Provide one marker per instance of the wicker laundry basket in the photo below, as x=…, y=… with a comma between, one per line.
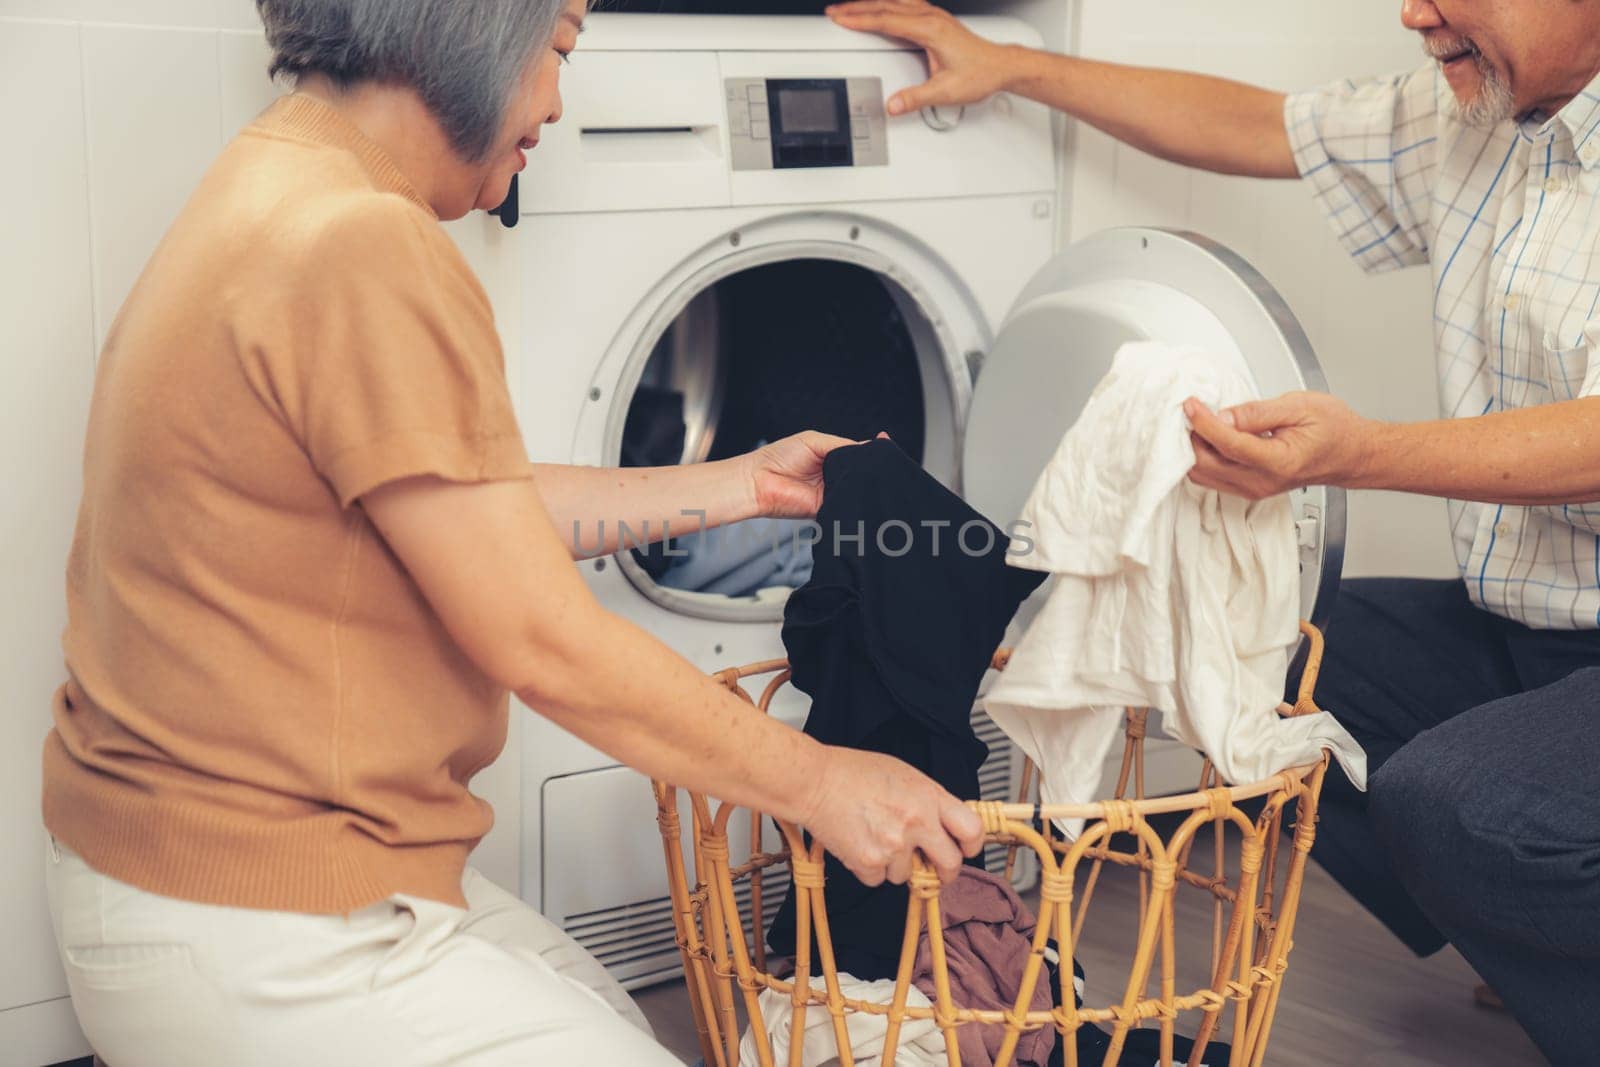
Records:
x=1252, y=884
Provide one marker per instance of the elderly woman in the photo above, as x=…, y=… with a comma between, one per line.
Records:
x=312, y=559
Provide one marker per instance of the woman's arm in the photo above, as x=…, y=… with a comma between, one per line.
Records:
x=491, y=564
x=592, y=507
x=1193, y=119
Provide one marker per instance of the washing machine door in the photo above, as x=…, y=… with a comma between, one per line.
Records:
x=1133, y=284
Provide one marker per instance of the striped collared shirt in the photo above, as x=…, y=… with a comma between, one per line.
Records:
x=1509, y=220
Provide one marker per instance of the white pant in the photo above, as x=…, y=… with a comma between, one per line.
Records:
x=158, y=982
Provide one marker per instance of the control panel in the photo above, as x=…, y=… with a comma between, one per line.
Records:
x=782, y=123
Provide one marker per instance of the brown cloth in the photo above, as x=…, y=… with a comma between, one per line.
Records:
x=988, y=932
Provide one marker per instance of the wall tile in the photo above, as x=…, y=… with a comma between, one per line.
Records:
x=1372, y=335
x=245, y=88
x=46, y=370
x=154, y=126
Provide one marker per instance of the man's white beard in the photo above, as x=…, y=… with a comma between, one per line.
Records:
x=1491, y=105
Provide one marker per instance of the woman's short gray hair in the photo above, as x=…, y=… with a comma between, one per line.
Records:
x=465, y=58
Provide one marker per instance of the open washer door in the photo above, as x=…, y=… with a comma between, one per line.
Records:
x=1134, y=284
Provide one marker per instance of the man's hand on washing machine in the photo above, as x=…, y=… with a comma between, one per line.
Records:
x=874, y=813
x=963, y=68
x=1266, y=447
x=786, y=476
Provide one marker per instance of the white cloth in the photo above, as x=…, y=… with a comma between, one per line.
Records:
x=158, y=982
x=1508, y=221
x=1166, y=595
x=921, y=1043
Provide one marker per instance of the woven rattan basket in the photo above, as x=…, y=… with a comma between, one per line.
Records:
x=1253, y=885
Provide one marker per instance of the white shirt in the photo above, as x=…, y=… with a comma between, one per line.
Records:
x=921, y=1042
x=1509, y=220
x=1165, y=596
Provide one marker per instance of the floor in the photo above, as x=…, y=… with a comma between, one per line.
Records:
x=1354, y=996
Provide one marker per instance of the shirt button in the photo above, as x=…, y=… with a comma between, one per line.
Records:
x=1554, y=185
x=1502, y=529
x=1590, y=153
x=1510, y=301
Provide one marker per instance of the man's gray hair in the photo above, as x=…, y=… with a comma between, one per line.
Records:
x=465, y=58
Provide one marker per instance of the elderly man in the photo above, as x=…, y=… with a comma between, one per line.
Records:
x=1477, y=700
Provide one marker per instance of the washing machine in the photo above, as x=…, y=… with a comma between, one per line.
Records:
x=726, y=240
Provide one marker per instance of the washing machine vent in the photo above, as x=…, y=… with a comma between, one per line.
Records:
x=994, y=779
x=636, y=941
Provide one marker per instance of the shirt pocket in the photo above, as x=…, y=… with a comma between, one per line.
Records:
x=1566, y=366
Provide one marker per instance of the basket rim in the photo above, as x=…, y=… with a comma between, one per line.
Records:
x=1289, y=780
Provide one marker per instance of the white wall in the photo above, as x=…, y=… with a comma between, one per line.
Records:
x=1373, y=335
x=110, y=124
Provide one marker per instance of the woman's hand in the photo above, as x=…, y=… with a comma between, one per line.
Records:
x=874, y=813
x=786, y=476
x=1267, y=447
x=963, y=68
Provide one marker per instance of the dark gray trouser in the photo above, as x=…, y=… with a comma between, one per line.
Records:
x=1482, y=824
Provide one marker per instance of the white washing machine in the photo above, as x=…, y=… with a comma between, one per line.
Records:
x=725, y=240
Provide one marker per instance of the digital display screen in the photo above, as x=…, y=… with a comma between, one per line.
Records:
x=808, y=110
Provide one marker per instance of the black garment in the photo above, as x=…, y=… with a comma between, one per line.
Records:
x=890, y=639
x=813, y=344
x=654, y=432
x=1483, y=749
x=653, y=436
x=1141, y=1048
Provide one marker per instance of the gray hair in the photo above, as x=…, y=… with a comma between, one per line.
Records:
x=465, y=58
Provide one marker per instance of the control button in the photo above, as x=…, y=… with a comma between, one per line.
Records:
x=756, y=94
x=739, y=122
x=941, y=120
x=761, y=130
x=859, y=108
x=860, y=129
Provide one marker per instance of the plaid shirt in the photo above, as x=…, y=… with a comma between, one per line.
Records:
x=1509, y=220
